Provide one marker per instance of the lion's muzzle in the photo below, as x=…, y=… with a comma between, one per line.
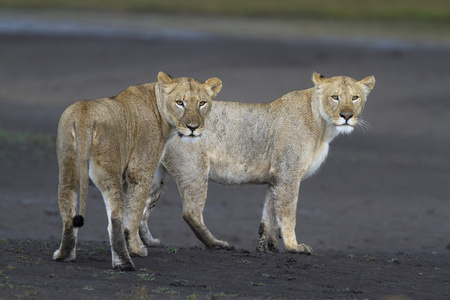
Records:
x=190, y=131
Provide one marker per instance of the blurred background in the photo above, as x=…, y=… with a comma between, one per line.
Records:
x=383, y=188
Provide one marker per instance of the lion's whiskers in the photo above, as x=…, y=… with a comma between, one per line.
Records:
x=363, y=124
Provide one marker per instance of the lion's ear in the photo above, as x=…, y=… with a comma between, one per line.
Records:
x=369, y=82
x=317, y=78
x=166, y=82
x=163, y=78
x=213, y=86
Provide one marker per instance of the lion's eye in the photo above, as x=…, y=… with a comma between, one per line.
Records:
x=202, y=103
x=179, y=103
x=355, y=98
x=335, y=97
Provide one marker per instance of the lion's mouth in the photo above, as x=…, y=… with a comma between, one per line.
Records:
x=341, y=122
x=187, y=136
x=191, y=135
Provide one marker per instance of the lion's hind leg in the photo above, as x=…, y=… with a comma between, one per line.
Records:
x=267, y=240
x=111, y=188
x=67, y=201
x=135, y=196
x=160, y=183
x=137, y=187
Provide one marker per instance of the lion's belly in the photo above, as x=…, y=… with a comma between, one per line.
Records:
x=237, y=173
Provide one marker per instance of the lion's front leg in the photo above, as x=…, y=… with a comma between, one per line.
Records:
x=193, y=195
x=285, y=200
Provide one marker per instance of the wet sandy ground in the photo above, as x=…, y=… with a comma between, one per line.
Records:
x=377, y=213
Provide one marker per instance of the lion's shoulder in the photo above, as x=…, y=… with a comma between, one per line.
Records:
x=137, y=92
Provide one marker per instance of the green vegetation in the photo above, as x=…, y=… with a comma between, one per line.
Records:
x=394, y=260
x=369, y=258
x=111, y=272
x=17, y=137
x=164, y=290
x=171, y=250
x=146, y=277
x=179, y=282
x=15, y=145
x=221, y=294
x=256, y=283
x=88, y=288
x=423, y=10
x=243, y=261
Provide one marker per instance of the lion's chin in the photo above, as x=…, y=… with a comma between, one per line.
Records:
x=189, y=138
x=344, y=129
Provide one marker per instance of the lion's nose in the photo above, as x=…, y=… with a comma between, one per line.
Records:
x=346, y=115
x=192, y=128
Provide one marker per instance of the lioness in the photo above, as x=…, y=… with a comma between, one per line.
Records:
x=117, y=142
x=278, y=144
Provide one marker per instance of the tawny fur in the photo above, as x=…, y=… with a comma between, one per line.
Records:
x=117, y=143
x=278, y=144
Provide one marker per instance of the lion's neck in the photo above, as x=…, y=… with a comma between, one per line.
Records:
x=325, y=131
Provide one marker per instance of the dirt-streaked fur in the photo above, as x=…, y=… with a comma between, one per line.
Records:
x=278, y=144
x=117, y=143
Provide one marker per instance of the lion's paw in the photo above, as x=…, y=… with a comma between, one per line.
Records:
x=302, y=248
x=218, y=245
x=264, y=246
x=142, y=252
x=153, y=242
x=149, y=240
x=125, y=266
x=64, y=255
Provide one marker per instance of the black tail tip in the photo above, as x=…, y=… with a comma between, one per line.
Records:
x=78, y=221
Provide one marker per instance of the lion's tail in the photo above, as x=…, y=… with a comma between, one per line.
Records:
x=84, y=136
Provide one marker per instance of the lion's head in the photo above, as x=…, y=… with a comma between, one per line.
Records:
x=342, y=99
x=186, y=102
